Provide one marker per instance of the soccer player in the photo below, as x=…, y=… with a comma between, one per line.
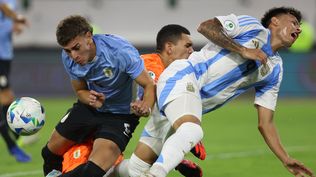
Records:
x=102, y=69
x=10, y=22
x=172, y=42
x=242, y=54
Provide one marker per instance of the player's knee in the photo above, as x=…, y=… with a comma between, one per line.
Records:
x=137, y=166
x=192, y=132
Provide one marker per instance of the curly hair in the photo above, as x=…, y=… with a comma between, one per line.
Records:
x=266, y=19
x=71, y=27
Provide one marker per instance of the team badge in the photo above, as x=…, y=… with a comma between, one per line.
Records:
x=264, y=69
x=77, y=154
x=255, y=43
x=107, y=72
x=190, y=87
x=229, y=25
x=152, y=75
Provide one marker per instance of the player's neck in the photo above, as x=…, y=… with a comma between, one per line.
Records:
x=93, y=52
x=165, y=59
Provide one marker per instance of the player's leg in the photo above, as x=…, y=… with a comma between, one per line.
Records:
x=73, y=128
x=112, y=137
x=144, y=156
x=185, y=114
x=6, y=98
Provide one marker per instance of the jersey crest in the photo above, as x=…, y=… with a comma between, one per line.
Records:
x=108, y=72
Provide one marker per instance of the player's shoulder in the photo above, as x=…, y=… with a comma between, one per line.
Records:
x=150, y=58
x=111, y=39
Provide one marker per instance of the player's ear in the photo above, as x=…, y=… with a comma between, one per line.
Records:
x=275, y=21
x=88, y=34
x=168, y=47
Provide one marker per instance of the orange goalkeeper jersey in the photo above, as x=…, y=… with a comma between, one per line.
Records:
x=154, y=65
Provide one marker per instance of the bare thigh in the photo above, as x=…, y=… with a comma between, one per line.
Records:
x=104, y=153
x=59, y=144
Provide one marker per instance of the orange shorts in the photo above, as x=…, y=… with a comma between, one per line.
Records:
x=79, y=154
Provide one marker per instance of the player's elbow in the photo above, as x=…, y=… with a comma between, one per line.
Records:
x=210, y=27
x=204, y=25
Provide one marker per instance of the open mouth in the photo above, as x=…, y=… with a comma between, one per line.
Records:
x=294, y=35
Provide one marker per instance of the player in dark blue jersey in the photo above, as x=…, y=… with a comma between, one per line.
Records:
x=102, y=69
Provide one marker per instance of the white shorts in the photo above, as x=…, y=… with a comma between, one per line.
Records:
x=178, y=84
x=156, y=131
x=186, y=104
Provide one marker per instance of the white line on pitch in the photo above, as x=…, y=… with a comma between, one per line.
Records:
x=24, y=173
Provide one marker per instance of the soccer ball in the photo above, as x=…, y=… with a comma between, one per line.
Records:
x=26, y=116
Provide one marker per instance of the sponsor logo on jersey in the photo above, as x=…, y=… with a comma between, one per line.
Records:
x=108, y=72
x=229, y=25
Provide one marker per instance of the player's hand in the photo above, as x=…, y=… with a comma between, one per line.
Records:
x=254, y=54
x=21, y=19
x=96, y=99
x=297, y=168
x=140, y=108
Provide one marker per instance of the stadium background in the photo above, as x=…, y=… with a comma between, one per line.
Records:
x=233, y=143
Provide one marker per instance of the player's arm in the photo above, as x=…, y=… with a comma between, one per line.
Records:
x=144, y=107
x=269, y=132
x=89, y=97
x=213, y=30
x=11, y=14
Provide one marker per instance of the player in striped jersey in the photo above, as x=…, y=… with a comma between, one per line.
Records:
x=172, y=42
x=242, y=54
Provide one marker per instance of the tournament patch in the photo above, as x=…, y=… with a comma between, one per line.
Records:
x=152, y=75
x=229, y=25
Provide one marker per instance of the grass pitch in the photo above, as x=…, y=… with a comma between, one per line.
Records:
x=234, y=145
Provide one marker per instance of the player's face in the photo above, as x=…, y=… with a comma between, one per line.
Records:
x=288, y=29
x=81, y=49
x=183, y=48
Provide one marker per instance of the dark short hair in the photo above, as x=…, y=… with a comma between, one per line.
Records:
x=71, y=27
x=266, y=19
x=169, y=33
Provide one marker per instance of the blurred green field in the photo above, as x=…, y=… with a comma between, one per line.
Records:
x=234, y=145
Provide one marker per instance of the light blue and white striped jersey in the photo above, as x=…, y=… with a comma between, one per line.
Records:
x=220, y=75
x=112, y=71
x=6, y=25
